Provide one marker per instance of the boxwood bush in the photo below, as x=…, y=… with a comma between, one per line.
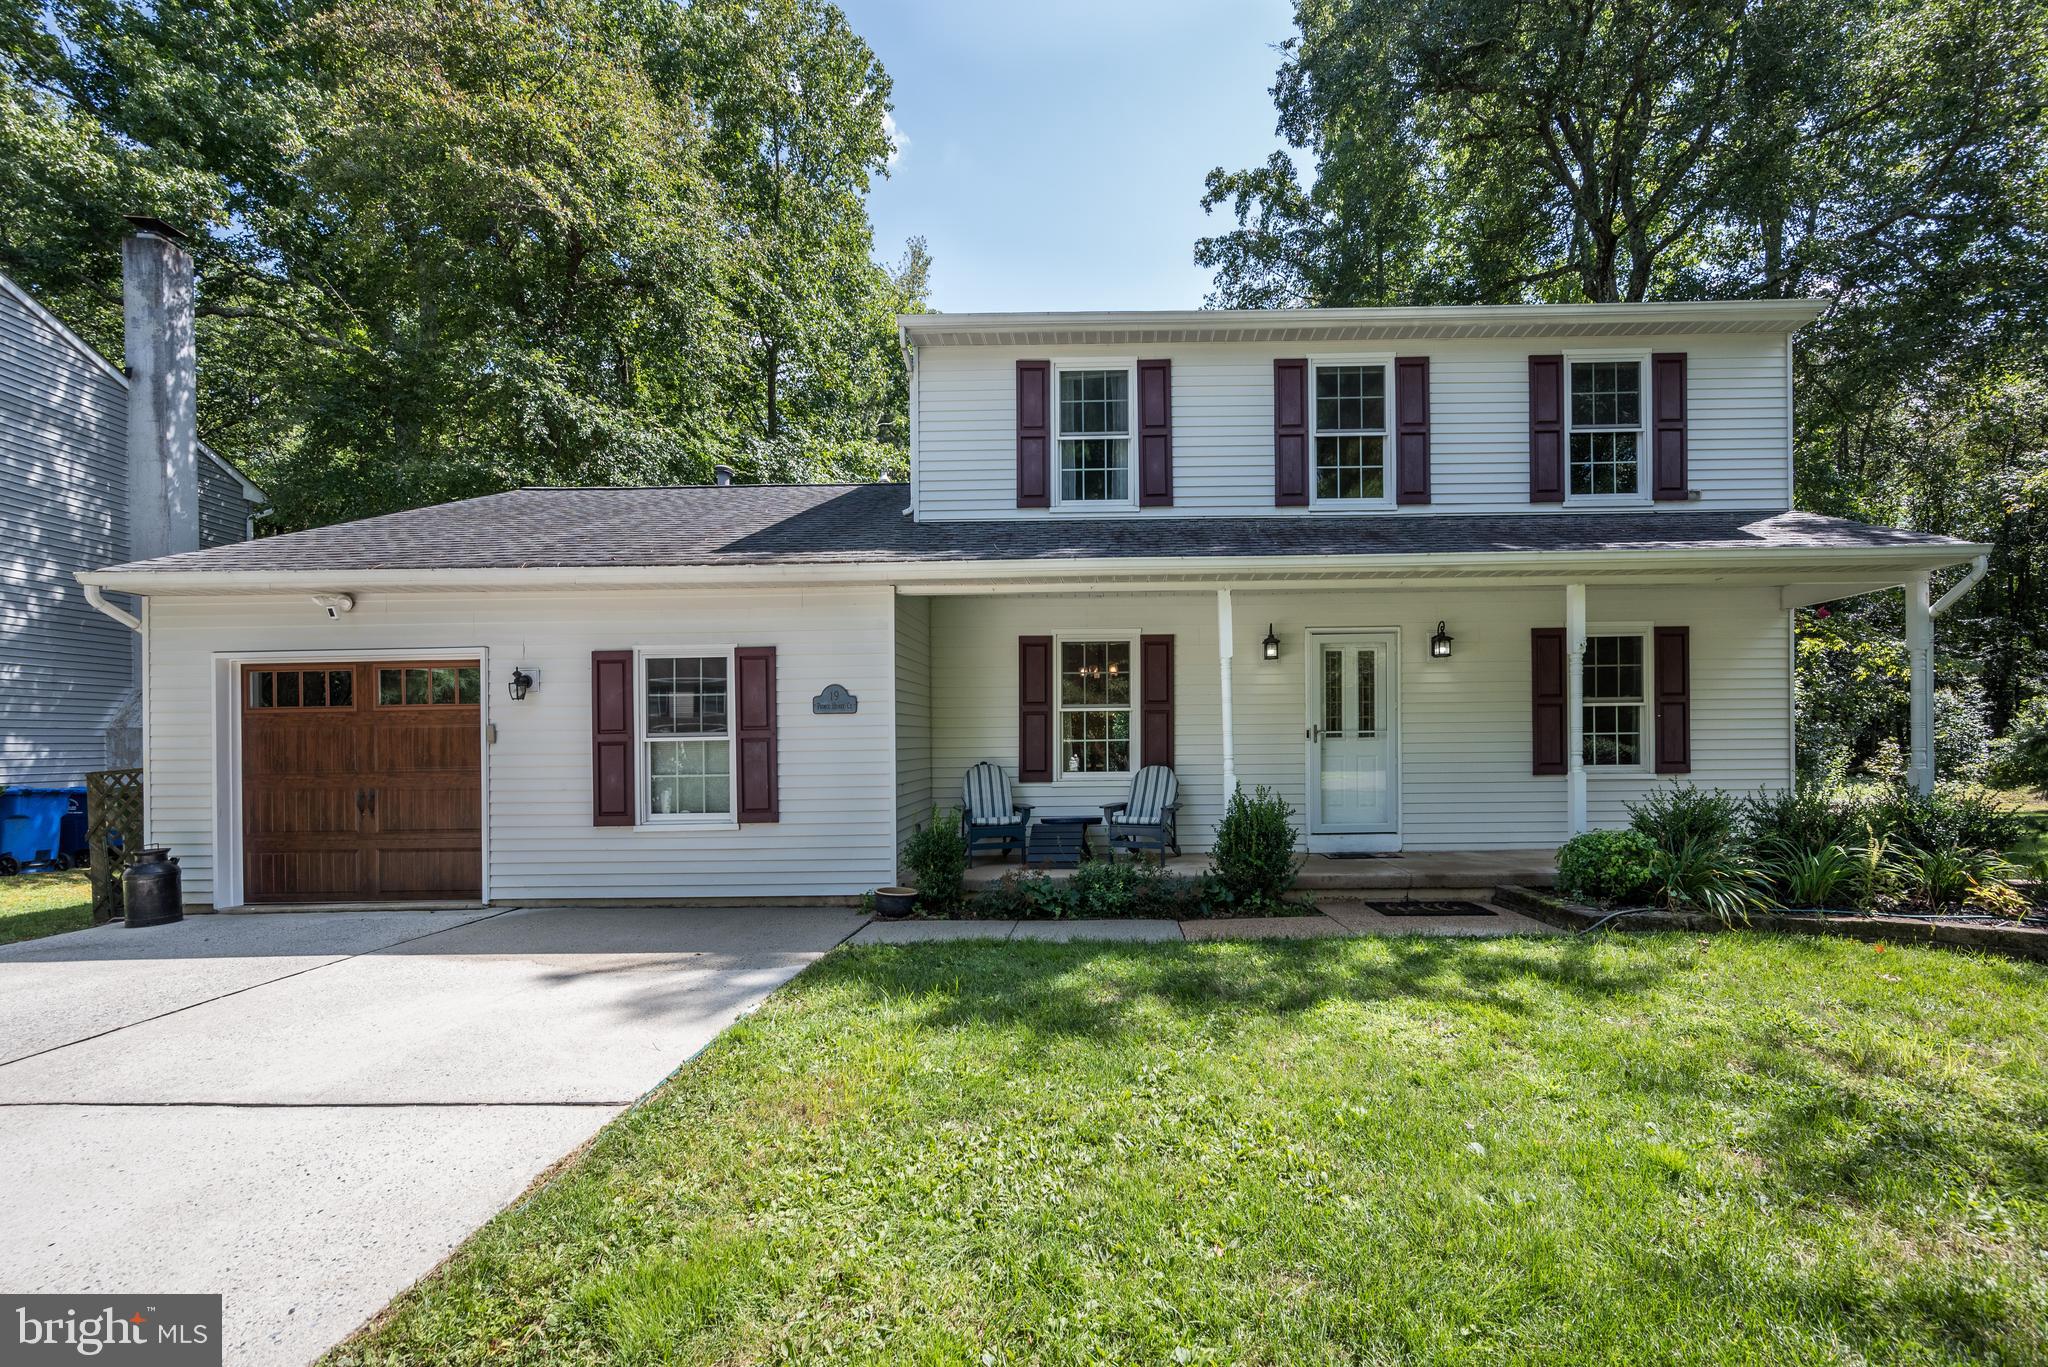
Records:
x=1606, y=866
x=1253, y=862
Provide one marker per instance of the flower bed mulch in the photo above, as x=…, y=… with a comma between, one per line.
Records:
x=2025, y=939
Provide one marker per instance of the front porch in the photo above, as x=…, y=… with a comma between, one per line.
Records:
x=1372, y=878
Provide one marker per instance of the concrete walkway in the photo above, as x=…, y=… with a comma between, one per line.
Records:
x=305, y=1113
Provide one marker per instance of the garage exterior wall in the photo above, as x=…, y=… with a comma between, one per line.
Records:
x=839, y=802
x=1739, y=409
x=1464, y=722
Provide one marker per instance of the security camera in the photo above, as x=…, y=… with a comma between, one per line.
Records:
x=335, y=603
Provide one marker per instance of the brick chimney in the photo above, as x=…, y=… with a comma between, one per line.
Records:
x=163, y=424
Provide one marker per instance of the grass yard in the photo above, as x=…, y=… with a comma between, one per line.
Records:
x=1636, y=1149
x=37, y=904
x=2032, y=846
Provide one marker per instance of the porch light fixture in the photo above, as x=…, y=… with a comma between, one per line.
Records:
x=518, y=684
x=1271, y=643
x=1440, y=644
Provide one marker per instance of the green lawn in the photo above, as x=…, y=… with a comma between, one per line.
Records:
x=37, y=904
x=1635, y=1149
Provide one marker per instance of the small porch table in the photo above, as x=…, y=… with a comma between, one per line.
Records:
x=1059, y=842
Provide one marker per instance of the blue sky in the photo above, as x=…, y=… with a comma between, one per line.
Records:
x=1053, y=153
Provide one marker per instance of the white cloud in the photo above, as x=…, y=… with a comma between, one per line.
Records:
x=899, y=141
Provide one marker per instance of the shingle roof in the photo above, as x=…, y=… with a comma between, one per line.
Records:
x=866, y=524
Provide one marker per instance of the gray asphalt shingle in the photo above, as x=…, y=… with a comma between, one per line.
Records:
x=855, y=524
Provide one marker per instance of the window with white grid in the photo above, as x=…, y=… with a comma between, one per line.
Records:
x=1095, y=707
x=687, y=736
x=1606, y=412
x=1094, y=433
x=1613, y=702
x=1350, y=417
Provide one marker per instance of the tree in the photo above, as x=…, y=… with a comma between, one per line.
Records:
x=1888, y=156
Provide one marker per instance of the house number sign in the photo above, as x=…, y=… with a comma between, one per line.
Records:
x=834, y=700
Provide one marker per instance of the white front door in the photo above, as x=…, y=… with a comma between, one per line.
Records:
x=1353, y=733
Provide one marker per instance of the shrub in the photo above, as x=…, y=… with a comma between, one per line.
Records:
x=2019, y=758
x=1803, y=819
x=1702, y=874
x=1253, y=860
x=1605, y=866
x=936, y=855
x=1682, y=814
x=1827, y=876
x=1956, y=816
x=1116, y=887
x=1945, y=878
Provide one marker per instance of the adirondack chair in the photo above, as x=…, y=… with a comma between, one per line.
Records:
x=1146, y=821
x=988, y=818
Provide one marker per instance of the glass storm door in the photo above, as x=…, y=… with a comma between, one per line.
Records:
x=1352, y=734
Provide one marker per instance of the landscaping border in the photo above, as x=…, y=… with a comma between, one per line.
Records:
x=2026, y=942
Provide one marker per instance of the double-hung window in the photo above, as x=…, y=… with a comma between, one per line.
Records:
x=1606, y=442
x=1613, y=701
x=686, y=735
x=1350, y=432
x=1095, y=706
x=1093, y=415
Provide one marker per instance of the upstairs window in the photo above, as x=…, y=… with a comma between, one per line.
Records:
x=1613, y=702
x=1095, y=707
x=1350, y=432
x=1606, y=412
x=1094, y=434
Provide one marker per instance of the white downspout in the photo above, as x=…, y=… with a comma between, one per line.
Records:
x=1226, y=637
x=1920, y=615
x=1574, y=704
x=118, y=613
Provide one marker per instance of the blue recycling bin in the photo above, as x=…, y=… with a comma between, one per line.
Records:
x=41, y=828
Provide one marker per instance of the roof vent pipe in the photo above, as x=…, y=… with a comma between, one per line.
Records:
x=723, y=474
x=163, y=421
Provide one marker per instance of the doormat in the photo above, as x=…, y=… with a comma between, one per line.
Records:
x=1355, y=855
x=1430, y=909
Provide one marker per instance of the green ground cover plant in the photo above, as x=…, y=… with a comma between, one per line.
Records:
x=1651, y=1148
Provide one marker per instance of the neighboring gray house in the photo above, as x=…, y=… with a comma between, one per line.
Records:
x=76, y=450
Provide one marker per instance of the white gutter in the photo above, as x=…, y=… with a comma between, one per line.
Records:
x=1476, y=565
x=97, y=598
x=1978, y=568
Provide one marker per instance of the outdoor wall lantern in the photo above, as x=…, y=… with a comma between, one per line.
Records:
x=519, y=683
x=1440, y=644
x=1271, y=643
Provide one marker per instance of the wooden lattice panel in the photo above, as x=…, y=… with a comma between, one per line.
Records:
x=113, y=807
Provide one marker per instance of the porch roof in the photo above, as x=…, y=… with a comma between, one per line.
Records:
x=863, y=532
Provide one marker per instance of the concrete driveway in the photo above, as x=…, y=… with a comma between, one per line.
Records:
x=305, y=1113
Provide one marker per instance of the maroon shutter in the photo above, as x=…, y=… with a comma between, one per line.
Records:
x=1674, y=700
x=1411, y=431
x=612, y=800
x=1034, y=709
x=1547, y=700
x=1546, y=429
x=1155, y=700
x=1034, y=434
x=1669, y=478
x=1290, y=434
x=1155, y=434
x=754, y=730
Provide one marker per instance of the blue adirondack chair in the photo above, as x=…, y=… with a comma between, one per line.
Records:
x=988, y=818
x=1146, y=820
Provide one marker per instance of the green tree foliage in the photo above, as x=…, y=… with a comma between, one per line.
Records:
x=453, y=246
x=1888, y=156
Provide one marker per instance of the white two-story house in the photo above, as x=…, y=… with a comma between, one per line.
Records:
x=1447, y=579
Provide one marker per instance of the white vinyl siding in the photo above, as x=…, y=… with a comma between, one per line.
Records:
x=915, y=795
x=67, y=672
x=1464, y=722
x=1739, y=425
x=837, y=832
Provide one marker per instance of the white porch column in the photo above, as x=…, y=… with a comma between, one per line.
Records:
x=1920, y=655
x=1574, y=700
x=1226, y=647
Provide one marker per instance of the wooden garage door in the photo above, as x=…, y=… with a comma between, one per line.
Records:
x=362, y=782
